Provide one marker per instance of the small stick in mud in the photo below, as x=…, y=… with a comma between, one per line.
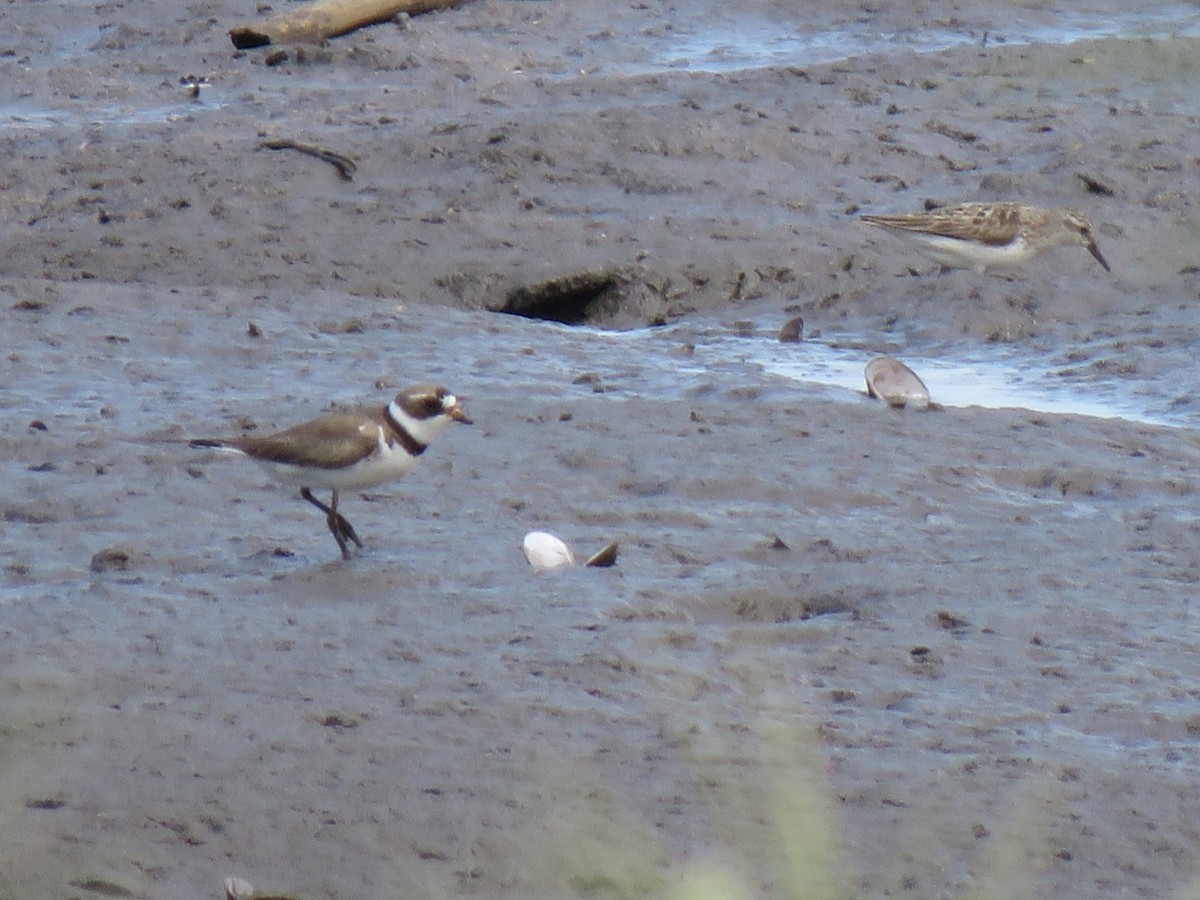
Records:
x=344, y=164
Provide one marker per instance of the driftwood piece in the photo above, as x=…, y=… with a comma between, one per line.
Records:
x=314, y=22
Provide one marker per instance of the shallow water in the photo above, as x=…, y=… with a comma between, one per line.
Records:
x=991, y=376
x=747, y=43
x=153, y=366
x=988, y=376
x=696, y=41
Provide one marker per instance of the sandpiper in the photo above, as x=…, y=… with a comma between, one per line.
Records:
x=981, y=236
x=350, y=449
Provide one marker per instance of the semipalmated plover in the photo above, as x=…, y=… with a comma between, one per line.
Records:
x=980, y=236
x=350, y=449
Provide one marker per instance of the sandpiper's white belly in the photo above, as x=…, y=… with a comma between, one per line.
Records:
x=957, y=253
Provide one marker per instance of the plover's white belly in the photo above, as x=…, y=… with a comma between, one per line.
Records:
x=376, y=469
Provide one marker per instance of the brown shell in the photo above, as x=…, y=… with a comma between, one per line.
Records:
x=604, y=557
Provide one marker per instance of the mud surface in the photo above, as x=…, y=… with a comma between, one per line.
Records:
x=886, y=652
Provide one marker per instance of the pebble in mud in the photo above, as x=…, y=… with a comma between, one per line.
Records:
x=111, y=559
x=792, y=331
x=924, y=661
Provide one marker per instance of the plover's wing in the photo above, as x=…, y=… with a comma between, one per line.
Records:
x=334, y=441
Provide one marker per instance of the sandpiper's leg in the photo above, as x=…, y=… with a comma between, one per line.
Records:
x=338, y=526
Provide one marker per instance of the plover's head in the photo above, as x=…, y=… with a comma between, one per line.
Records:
x=1077, y=229
x=425, y=410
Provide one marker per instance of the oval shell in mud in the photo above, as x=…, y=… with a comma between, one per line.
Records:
x=544, y=551
x=892, y=381
x=604, y=557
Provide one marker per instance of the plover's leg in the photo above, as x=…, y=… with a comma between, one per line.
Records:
x=339, y=527
x=344, y=525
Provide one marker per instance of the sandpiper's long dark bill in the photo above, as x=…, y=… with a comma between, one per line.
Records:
x=982, y=236
x=350, y=449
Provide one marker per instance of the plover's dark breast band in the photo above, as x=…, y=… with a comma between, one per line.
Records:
x=407, y=441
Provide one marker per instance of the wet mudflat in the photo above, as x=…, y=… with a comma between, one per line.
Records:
x=953, y=648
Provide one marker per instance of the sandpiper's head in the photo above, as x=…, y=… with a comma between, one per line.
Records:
x=1078, y=230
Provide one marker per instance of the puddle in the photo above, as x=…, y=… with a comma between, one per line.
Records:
x=993, y=377
x=39, y=119
x=671, y=361
x=990, y=380
x=748, y=44
x=512, y=355
x=692, y=43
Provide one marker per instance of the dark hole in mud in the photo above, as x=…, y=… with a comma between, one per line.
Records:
x=575, y=299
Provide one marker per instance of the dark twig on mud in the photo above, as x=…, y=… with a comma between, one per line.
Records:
x=344, y=164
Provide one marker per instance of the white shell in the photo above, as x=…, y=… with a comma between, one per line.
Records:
x=544, y=551
x=238, y=888
x=894, y=382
